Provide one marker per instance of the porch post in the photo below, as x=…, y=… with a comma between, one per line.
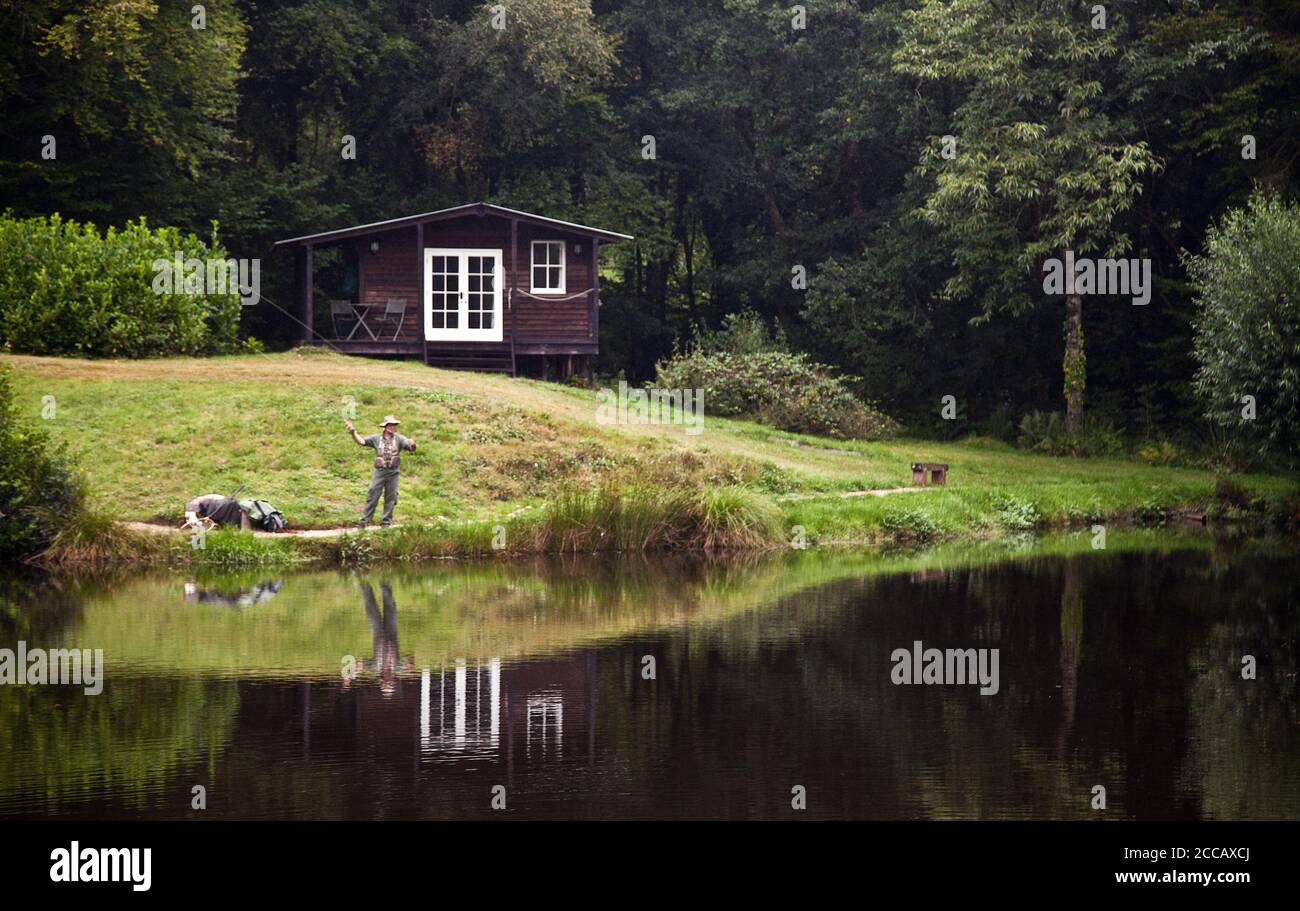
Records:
x=306, y=309
x=419, y=270
x=514, y=289
x=595, y=290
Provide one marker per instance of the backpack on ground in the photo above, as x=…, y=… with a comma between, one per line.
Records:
x=263, y=515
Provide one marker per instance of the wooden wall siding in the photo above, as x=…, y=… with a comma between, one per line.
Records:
x=559, y=321
x=393, y=272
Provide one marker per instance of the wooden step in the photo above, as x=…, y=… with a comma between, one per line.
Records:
x=453, y=364
x=484, y=360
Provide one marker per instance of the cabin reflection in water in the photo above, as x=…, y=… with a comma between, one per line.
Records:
x=530, y=710
x=482, y=709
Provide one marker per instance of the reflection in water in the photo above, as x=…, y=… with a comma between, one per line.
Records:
x=1071, y=648
x=1118, y=668
x=383, y=633
x=473, y=710
x=486, y=711
x=464, y=734
x=236, y=597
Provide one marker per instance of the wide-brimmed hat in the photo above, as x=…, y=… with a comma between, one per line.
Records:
x=388, y=419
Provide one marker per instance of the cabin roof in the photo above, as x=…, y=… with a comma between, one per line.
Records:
x=469, y=209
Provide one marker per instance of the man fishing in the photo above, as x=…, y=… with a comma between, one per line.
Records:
x=388, y=447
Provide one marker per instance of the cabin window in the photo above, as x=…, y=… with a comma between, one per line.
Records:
x=548, y=266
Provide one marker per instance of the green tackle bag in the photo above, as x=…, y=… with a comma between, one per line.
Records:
x=263, y=515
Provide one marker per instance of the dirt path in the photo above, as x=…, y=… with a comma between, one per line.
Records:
x=883, y=492
x=157, y=528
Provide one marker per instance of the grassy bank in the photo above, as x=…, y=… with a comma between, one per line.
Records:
x=517, y=466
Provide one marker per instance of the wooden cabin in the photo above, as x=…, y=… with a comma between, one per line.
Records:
x=477, y=287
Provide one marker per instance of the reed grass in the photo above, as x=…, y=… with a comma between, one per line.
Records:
x=91, y=539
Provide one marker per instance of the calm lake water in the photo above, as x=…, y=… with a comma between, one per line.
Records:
x=1119, y=668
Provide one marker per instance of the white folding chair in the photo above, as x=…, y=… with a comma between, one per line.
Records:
x=396, y=309
x=341, y=315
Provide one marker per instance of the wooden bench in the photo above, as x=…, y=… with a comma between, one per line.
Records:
x=937, y=473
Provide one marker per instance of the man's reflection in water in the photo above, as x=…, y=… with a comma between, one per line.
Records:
x=238, y=597
x=383, y=633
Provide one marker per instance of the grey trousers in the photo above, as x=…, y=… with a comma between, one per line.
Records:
x=384, y=482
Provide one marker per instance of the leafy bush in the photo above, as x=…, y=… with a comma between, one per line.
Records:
x=67, y=289
x=40, y=492
x=1151, y=512
x=1248, y=324
x=909, y=524
x=1045, y=432
x=741, y=333
x=1159, y=452
x=1016, y=515
x=786, y=390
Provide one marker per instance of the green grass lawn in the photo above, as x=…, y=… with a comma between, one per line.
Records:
x=150, y=434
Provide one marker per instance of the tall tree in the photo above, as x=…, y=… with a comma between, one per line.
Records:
x=137, y=99
x=1042, y=166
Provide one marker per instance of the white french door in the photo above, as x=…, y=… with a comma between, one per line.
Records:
x=462, y=295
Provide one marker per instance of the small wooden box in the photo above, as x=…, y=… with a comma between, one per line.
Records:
x=926, y=473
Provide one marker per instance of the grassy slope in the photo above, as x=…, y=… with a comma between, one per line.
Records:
x=152, y=433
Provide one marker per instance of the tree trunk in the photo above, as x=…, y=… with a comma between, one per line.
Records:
x=850, y=175
x=1075, y=365
x=1071, y=650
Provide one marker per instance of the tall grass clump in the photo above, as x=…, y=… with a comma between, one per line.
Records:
x=735, y=517
x=609, y=517
x=635, y=518
x=94, y=540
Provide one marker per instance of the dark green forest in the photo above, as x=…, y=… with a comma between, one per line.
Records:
x=784, y=159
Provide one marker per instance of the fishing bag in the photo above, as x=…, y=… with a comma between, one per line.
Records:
x=263, y=515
